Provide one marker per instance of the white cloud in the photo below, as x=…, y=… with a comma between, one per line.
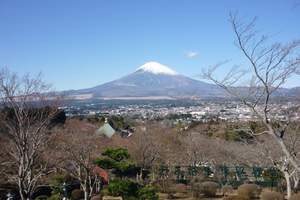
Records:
x=191, y=54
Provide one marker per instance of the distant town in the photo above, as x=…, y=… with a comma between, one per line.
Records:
x=179, y=110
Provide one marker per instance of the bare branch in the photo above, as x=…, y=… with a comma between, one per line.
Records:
x=271, y=66
x=26, y=113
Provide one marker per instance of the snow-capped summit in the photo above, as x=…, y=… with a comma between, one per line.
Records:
x=157, y=68
x=154, y=81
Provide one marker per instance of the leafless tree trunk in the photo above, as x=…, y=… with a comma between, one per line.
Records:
x=79, y=150
x=296, y=180
x=26, y=113
x=271, y=65
x=146, y=148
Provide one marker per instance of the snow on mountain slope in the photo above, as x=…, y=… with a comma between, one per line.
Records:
x=158, y=81
x=153, y=79
x=156, y=68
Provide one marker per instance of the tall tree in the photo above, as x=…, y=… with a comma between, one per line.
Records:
x=270, y=66
x=26, y=113
x=147, y=147
x=77, y=148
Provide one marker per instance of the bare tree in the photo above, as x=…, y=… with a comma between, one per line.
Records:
x=147, y=147
x=270, y=65
x=200, y=150
x=292, y=141
x=79, y=148
x=26, y=113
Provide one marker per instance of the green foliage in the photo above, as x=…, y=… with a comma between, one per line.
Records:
x=59, y=118
x=231, y=135
x=105, y=163
x=124, y=188
x=192, y=171
x=54, y=197
x=240, y=172
x=117, y=154
x=257, y=172
x=43, y=197
x=117, y=160
x=255, y=126
x=131, y=190
x=207, y=171
x=147, y=193
x=272, y=195
x=237, y=135
x=272, y=175
x=163, y=171
x=57, y=181
x=105, y=192
x=179, y=173
x=126, y=169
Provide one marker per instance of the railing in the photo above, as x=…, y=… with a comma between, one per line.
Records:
x=225, y=175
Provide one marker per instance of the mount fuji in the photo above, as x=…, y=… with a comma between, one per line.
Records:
x=150, y=81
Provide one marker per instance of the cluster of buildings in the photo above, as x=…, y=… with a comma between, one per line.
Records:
x=201, y=111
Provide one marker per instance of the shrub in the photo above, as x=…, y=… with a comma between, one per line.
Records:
x=77, y=194
x=131, y=198
x=147, y=193
x=196, y=190
x=197, y=179
x=209, y=189
x=98, y=197
x=54, y=197
x=124, y=188
x=57, y=181
x=237, y=135
x=271, y=195
x=163, y=186
x=118, y=160
x=105, y=192
x=43, y=197
x=248, y=191
x=295, y=197
x=227, y=189
x=274, y=176
x=235, y=198
x=180, y=188
x=117, y=154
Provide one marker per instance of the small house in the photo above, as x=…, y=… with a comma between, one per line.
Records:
x=106, y=130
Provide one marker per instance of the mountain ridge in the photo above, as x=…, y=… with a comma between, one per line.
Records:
x=155, y=81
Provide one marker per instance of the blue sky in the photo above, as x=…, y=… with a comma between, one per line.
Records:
x=78, y=44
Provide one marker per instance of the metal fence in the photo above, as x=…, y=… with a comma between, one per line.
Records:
x=224, y=175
